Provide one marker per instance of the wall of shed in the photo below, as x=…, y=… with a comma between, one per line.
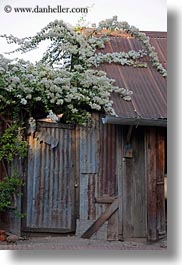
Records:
x=67, y=186
x=129, y=165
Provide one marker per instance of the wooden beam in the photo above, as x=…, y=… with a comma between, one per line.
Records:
x=128, y=137
x=105, y=199
x=101, y=220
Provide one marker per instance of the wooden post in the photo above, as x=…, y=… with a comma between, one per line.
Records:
x=120, y=173
x=151, y=185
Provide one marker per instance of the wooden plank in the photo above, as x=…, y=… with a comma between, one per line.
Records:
x=112, y=231
x=91, y=196
x=160, y=167
x=105, y=199
x=73, y=179
x=84, y=196
x=139, y=186
x=100, y=221
x=151, y=184
x=120, y=172
x=134, y=188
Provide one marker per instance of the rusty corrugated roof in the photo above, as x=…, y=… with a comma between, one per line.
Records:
x=149, y=99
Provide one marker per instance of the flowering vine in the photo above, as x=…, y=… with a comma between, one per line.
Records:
x=64, y=81
x=114, y=24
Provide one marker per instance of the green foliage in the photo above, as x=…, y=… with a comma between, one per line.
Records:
x=11, y=144
x=9, y=187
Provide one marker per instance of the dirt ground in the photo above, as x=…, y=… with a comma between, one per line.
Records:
x=75, y=243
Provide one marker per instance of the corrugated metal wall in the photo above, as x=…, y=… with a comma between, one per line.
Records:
x=98, y=172
x=63, y=182
x=97, y=167
x=50, y=182
x=67, y=186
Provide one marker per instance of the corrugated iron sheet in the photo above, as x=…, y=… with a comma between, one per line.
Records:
x=97, y=165
x=84, y=155
x=50, y=198
x=149, y=99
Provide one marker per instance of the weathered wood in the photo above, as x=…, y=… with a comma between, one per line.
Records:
x=151, y=184
x=91, y=191
x=160, y=167
x=100, y=221
x=128, y=137
x=134, y=188
x=112, y=231
x=105, y=199
x=120, y=172
x=84, y=196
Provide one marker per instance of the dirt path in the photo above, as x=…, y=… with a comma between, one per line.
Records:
x=74, y=243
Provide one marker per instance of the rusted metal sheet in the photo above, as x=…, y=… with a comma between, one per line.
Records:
x=97, y=155
x=149, y=99
x=107, y=160
x=98, y=171
x=88, y=150
x=50, y=182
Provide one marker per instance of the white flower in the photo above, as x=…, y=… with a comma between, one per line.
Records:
x=38, y=99
x=95, y=106
x=23, y=101
x=58, y=80
x=15, y=79
x=70, y=106
x=59, y=102
x=52, y=116
x=29, y=96
x=77, y=84
x=2, y=70
x=74, y=110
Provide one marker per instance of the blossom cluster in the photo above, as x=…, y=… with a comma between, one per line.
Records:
x=24, y=86
x=64, y=81
x=114, y=24
x=72, y=47
x=123, y=58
